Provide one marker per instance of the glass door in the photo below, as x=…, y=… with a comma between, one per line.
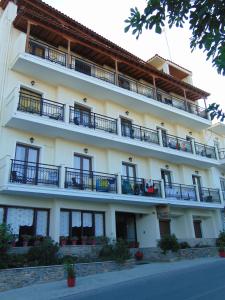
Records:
x=25, y=164
x=83, y=166
x=166, y=177
x=82, y=116
x=126, y=128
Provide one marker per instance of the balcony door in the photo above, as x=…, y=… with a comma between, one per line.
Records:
x=82, y=115
x=166, y=177
x=83, y=166
x=128, y=170
x=126, y=128
x=30, y=101
x=25, y=164
x=198, y=228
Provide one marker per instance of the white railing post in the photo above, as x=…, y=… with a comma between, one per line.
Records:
x=217, y=153
x=5, y=170
x=119, y=183
x=197, y=192
x=119, y=131
x=66, y=113
x=221, y=196
x=163, y=189
x=193, y=146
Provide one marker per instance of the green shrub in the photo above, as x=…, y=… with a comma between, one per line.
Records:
x=6, y=238
x=169, y=242
x=121, y=251
x=46, y=253
x=106, y=252
x=184, y=245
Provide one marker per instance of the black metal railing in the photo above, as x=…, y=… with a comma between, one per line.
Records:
x=40, y=106
x=204, y=150
x=46, y=52
x=177, y=143
x=222, y=153
x=52, y=54
x=141, y=186
x=182, y=104
x=33, y=173
x=180, y=191
x=210, y=195
x=93, y=120
x=90, y=180
x=140, y=133
x=92, y=69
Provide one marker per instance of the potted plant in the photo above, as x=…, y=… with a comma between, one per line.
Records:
x=84, y=240
x=74, y=240
x=26, y=238
x=221, y=251
x=138, y=255
x=71, y=275
x=63, y=241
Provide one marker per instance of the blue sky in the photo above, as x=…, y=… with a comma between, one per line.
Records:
x=107, y=18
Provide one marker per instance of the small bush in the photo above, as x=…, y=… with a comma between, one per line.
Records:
x=6, y=238
x=220, y=241
x=106, y=252
x=46, y=253
x=169, y=243
x=184, y=245
x=121, y=251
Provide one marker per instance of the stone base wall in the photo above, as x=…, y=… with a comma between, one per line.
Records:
x=203, y=241
x=20, y=277
x=155, y=254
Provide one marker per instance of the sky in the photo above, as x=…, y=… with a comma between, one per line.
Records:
x=106, y=17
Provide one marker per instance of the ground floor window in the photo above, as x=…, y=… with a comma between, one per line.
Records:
x=76, y=224
x=198, y=228
x=25, y=223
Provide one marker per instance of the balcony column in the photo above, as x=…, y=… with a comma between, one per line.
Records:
x=193, y=146
x=116, y=73
x=54, y=228
x=197, y=192
x=5, y=170
x=185, y=97
x=217, y=153
x=163, y=189
x=62, y=176
x=155, y=88
x=119, y=183
x=160, y=137
x=119, y=131
x=68, y=53
x=67, y=113
x=28, y=35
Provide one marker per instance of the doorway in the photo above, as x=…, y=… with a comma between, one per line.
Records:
x=164, y=228
x=126, y=226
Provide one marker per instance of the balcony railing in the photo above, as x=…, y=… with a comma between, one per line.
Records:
x=140, y=133
x=41, y=106
x=52, y=54
x=33, y=173
x=90, y=180
x=177, y=143
x=141, y=187
x=93, y=120
x=180, y=191
x=222, y=153
x=204, y=150
x=210, y=195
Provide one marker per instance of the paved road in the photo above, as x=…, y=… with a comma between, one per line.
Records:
x=205, y=282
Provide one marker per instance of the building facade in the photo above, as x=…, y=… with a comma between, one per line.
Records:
x=96, y=142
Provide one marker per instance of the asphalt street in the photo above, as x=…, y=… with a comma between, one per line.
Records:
x=204, y=282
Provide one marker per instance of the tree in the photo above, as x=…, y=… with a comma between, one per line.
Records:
x=206, y=19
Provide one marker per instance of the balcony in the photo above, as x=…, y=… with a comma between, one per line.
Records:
x=180, y=191
x=140, y=133
x=55, y=119
x=41, y=107
x=49, y=181
x=141, y=187
x=34, y=173
x=90, y=181
x=210, y=195
x=205, y=150
x=93, y=120
x=55, y=66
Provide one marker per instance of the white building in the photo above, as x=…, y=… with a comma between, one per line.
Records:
x=95, y=141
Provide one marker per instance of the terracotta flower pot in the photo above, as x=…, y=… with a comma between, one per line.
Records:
x=71, y=282
x=222, y=253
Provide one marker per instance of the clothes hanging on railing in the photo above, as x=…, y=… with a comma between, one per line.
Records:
x=149, y=186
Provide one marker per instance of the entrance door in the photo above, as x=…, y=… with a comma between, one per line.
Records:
x=126, y=226
x=25, y=164
x=164, y=227
x=83, y=166
x=197, y=228
x=197, y=181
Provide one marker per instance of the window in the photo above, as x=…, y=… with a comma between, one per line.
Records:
x=25, y=221
x=197, y=228
x=81, y=223
x=126, y=128
x=166, y=177
x=128, y=170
